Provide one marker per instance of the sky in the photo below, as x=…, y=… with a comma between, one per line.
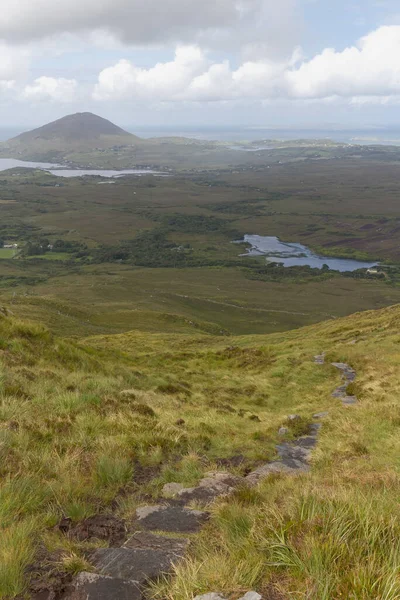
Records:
x=248, y=63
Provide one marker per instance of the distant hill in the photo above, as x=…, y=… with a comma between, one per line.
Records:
x=77, y=132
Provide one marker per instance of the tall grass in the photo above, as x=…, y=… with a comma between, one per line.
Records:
x=79, y=422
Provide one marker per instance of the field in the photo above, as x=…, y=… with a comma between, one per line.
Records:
x=7, y=253
x=147, y=252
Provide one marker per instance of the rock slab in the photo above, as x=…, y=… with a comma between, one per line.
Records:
x=90, y=586
x=145, y=540
x=176, y=519
x=137, y=565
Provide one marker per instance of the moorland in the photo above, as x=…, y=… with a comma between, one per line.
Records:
x=157, y=252
x=140, y=346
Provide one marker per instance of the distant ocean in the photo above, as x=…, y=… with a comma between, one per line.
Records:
x=350, y=136
x=7, y=132
x=387, y=135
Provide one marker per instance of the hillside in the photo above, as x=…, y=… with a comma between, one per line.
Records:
x=72, y=133
x=85, y=139
x=95, y=428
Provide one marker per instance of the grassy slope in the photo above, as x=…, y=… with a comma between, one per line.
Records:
x=113, y=298
x=335, y=532
x=70, y=440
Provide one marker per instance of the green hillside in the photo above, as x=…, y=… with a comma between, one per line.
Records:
x=98, y=426
x=77, y=132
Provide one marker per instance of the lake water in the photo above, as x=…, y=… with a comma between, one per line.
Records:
x=244, y=149
x=295, y=255
x=60, y=171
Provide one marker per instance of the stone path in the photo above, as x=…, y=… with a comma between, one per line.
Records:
x=348, y=375
x=293, y=456
x=122, y=572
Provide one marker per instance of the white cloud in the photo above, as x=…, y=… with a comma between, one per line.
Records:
x=14, y=61
x=50, y=88
x=164, y=81
x=7, y=85
x=233, y=23
x=190, y=77
x=370, y=69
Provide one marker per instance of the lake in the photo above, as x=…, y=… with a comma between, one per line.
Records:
x=60, y=171
x=295, y=255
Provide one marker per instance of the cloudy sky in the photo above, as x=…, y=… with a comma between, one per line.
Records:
x=209, y=62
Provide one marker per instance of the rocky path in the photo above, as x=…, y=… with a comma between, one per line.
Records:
x=348, y=376
x=163, y=530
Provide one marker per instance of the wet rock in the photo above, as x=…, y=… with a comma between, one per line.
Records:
x=143, y=539
x=294, y=457
x=133, y=564
x=203, y=494
x=340, y=391
x=90, y=586
x=223, y=477
x=171, y=518
x=349, y=400
x=210, y=487
x=319, y=359
x=349, y=375
x=172, y=489
x=299, y=450
x=314, y=429
x=321, y=415
x=210, y=482
x=275, y=467
x=198, y=494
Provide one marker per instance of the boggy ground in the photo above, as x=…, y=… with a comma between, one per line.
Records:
x=156, y=254
x=98, y=427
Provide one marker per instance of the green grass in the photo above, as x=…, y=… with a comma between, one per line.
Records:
x=78, y=418
x=75, y=419
x=332, y=533
x=116, y=298
x=201, y=210
x=50, y=256
x=7, y=253
x=93, y=395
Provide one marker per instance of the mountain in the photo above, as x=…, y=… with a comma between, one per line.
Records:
x=72, y=133
x=79, y=127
